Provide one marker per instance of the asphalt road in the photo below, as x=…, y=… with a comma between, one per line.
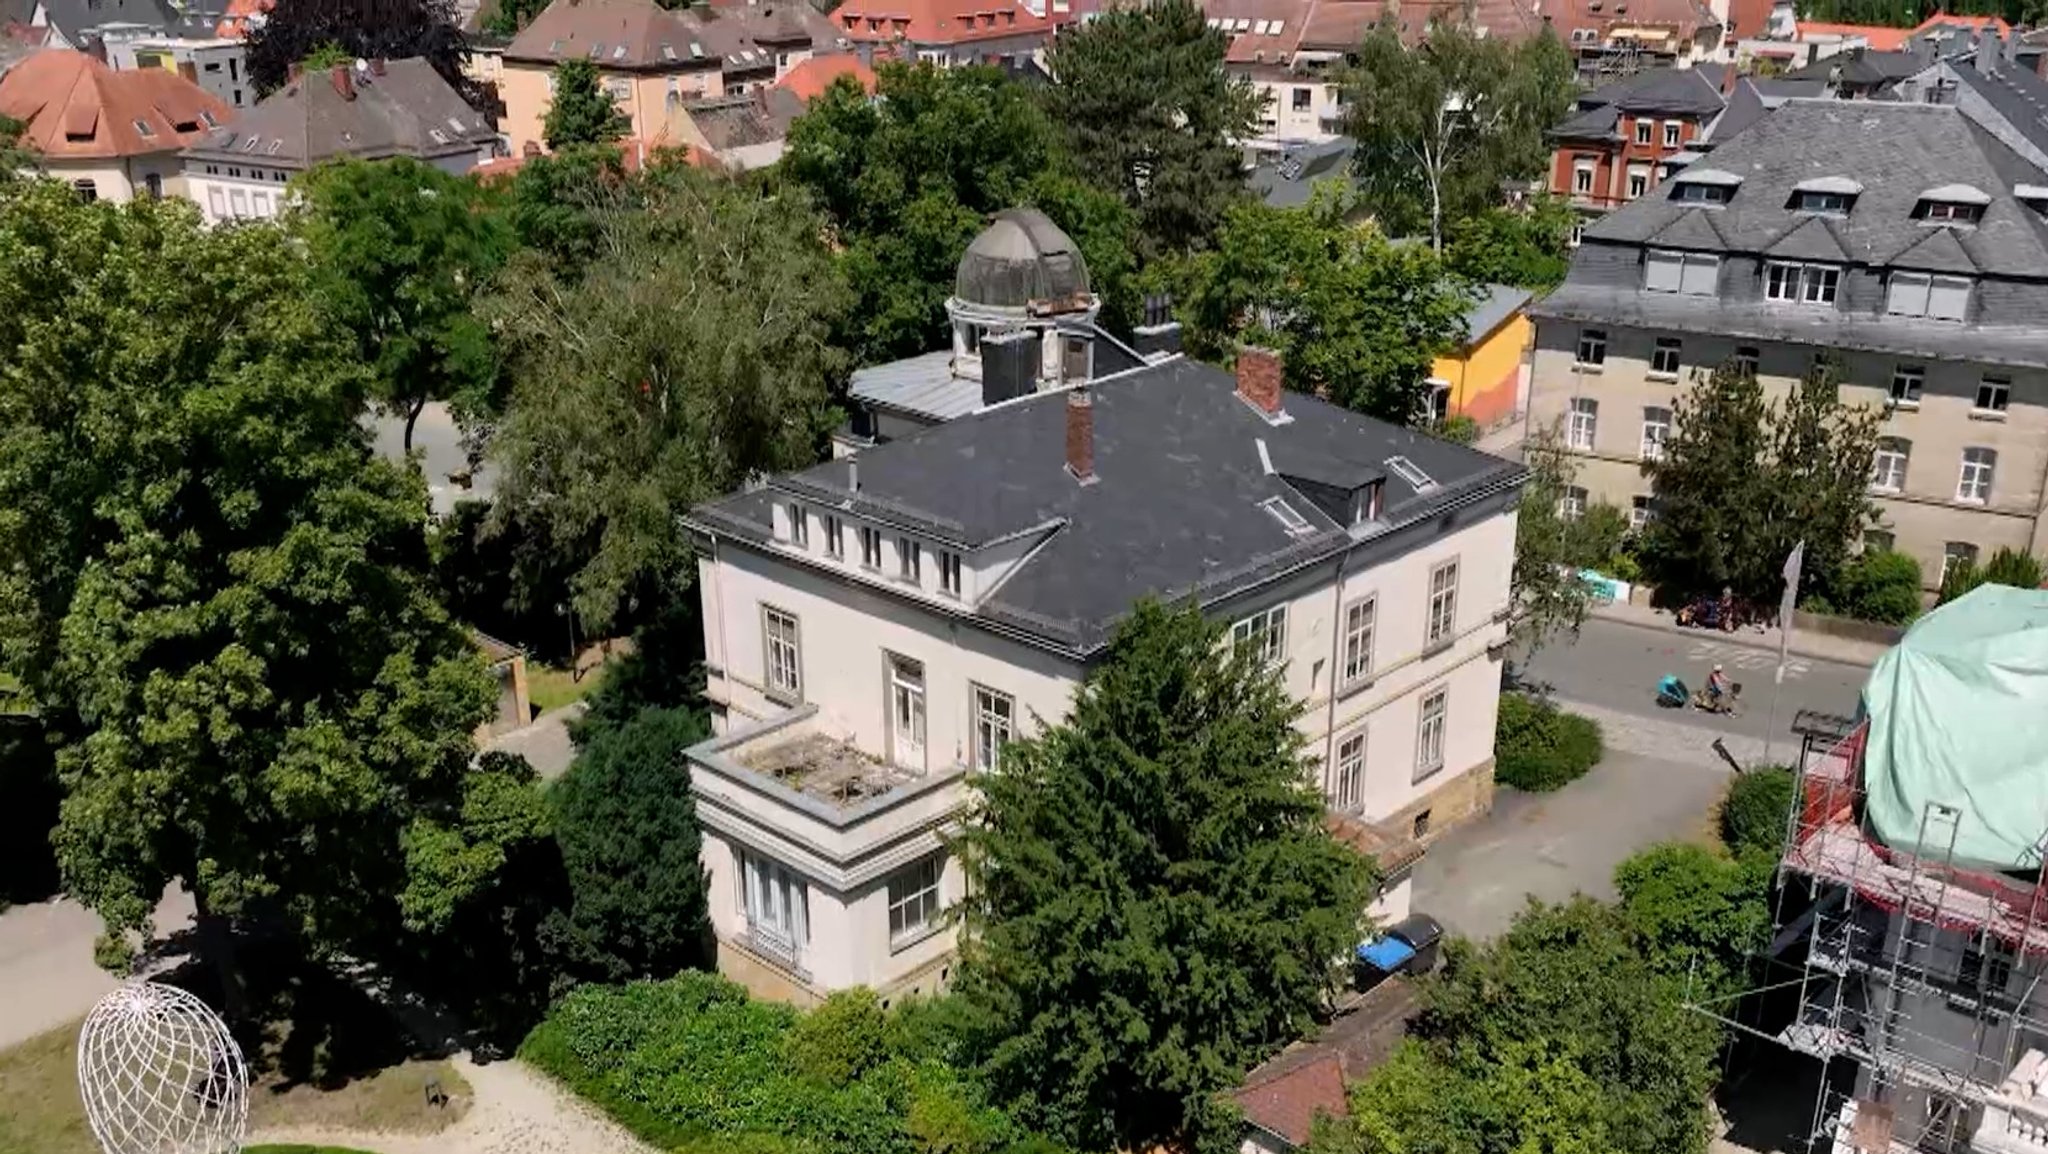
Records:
x=1617, y=665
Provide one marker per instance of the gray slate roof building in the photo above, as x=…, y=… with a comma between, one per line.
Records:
x=1290, y=180
x=1676, y=91
x=1898, y=154
x=390, y=108
x=1182, y=464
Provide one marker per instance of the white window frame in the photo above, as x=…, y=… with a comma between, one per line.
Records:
x=1667, y=357
x=1592, y=350
x=1264, y=631
x=782, y=654
x=799, y=526
x=776, y=902
x=1954, y=553
x=1571, y=504
x=1638, y=181
x=1979, y=470
x=1888, y=464
x=1360, y=617
x=1641, y=508
x=1905, y=294
x=1907, y=383
x=870, y=547
x=949, y=573
x=1582, y=177
x=909, y=561
x=1656, y=431
x=835, y=537
x=1432, y=713
x=1646, y=130
x=1694, y=274
x=1442, y=622
x=1792, y=282
x=995, y=725
x=1346, y=792
x=1994, y=395
x=1671, y=130
x=1582, y=424
x=916, y=898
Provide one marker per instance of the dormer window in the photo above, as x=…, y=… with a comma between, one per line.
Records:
x=1701, y=193
x=2034, y=196
x=1365, y=504
x=1919, y=294
x=1290, y=518
x=1828, y=195
x=1948, y=212
x=1831, y=203
x=1810, y=284
x=1951, y=204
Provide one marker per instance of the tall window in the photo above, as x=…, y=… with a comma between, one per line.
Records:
x=909, y=560
x=1303, y=97
x=1592, y=347
x=777, y=904
x=1692, y=273
x=835, y=537
x=153, y=184
x=914, y=899
x=1974, y=485
x=1956, y=553
x=1640, y=510
x=87, y=191
x=1665, y=358
x=1644, y=128
x=995, y=725
x=1638, y=179
x=1358, y=623
x=1915, y=294
x=1656, y=431
x=1579, y=426
x=1265, y=633
x=784, y=653
x=1572, y=505
x=1906, y=384
x=1443, y=604
x=949, y=573
x=1888, y=464
x=1347, y=784
x=871, y=547
x=1811, y=284
x=1429, y=732
x=799, y=526
x=1671, y=130
x=1582, y=177
x=1993, y=394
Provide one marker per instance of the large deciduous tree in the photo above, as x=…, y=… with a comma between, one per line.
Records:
x=1147, y=110
x=580, y=111
x=214, y=591
x=401, y=250
x=1153, y=901
x=294, y=30
x=1527, y=245
x=697, y=354
x=1356, y=319
x=1547, y=594
x=1440, y=125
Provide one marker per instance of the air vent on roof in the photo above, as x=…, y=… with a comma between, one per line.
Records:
x=668, y=52
x=696, y=50
x=144, y=128
x=1295, y=524
x=619, y=52
x=1406, y=470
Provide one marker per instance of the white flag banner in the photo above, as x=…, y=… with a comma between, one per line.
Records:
x=1793, y=563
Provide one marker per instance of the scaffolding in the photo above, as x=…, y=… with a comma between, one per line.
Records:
x=1921, y=973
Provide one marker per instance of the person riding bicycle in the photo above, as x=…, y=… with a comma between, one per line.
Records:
x=1717, y=686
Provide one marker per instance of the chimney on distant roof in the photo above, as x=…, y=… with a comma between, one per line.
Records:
x=342, y=81
x=1259, y=373
x=376, y=66
x=1081, y=434
x=1989, y=51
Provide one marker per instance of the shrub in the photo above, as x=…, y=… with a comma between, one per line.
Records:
x=2008, y=566
x=1879, y=585
x=1753, y=813
x=1458, y=427
x=1696, y=913
x=1538, y=747
x=840, y=1040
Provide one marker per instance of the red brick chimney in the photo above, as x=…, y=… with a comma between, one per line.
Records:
x=343, y=83
x=377, y=66
x=1258, y=378
x=1081, y=435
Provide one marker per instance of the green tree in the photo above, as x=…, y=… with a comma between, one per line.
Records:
x=1441, y=125
x=1147, y=110
x=342, y=31
x=1817, y=484
x=1698, y=916
x=581, y=111
x=1153, y=902
x=215, y=594
x=400, y=251
x=1755, y=813
x=627, y=825
x=1546, y=594
x=1355, y=319
x=555, y=199
x=2008, y=566
x=14, y=155
x=1880, y=585
x=1528, y=246
x=696, y=355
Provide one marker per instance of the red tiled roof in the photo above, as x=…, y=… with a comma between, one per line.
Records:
x=809, y=79
x=235, y=22
x=1684, y=17
x=940, y=21
x=1973, y=23
x=1880, y=38
x=30, y=35
x=634, y=155
x=76, y=106
x=1287, y=1104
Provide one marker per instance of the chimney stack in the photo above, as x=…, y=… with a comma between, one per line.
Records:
x=1990, y=50
x=1159, y=337
x=1258, y=379
x=1081, y=434
x=343, y=83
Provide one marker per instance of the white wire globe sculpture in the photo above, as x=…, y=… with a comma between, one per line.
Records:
x=161, y=1075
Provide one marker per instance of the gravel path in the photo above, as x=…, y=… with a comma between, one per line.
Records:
x=516, y=1110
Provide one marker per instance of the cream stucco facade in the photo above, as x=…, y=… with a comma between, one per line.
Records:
x=647, y=98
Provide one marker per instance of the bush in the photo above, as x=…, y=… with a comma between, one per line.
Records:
x=1753, y=813
x=1879, y=585
x=1538, y=747
x=1696, y=914
x=692, y=1064
x=2007, y=567
x=1458, y=427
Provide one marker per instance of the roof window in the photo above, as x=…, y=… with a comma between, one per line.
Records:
x=208, y=118
x=668, y=52
x=1407, y=471
x=619, y=52
x=1290, y=520
x=1951, y=204
x=144, y=128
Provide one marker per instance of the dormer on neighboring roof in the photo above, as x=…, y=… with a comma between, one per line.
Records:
x=1952, y=204
x=1704, y=185
x=1827, y=195
x=2034, y=196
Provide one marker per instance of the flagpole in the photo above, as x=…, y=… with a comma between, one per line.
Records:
x=1794, y=561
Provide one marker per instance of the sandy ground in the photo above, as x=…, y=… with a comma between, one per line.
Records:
x=47, y=975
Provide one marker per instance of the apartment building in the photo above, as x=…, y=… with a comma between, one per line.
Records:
x=1905, y=240
x=1615, y=147
x=1012, y=34
x=1610, y=39
x=112, y=135
x=877, y=628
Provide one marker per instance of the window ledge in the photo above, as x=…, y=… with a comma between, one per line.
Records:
x=1425, y=775
x=1906, y=406
x=1995, y=415
x=898, y=945
x=1442, y=645
x=1356, y=686
x=1972, y=502
x=1583, y=367
x=1656, y=376
x=783, y=697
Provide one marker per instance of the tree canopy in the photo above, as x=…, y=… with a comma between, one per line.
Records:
x=580, y=111
x=294, y=30
x=1548, y=596
x=213, y=590
x=1441, y=125
x=1527, y=245
x=1146, y=109
x=1153, y=900
x=401, y=251
x=696, y=355
x=1356, y=319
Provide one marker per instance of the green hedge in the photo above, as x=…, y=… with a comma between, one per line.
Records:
x=692, y=1063
x=1538, y=747
x=1753, y=813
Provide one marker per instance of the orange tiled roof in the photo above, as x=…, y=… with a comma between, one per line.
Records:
x=1287, y=1105
x=1880, y=38
x=235, y=22
x=809, y=79
x=940, y=21
x=77, y=107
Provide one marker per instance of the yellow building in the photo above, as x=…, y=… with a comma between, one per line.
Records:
x=1483, y=380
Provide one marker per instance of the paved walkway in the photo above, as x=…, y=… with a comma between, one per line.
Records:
x=515, y=1110
x=47, y=975
x=544, y=744
x=1805, y=642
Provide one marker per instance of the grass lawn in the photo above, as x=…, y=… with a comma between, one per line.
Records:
x=549, y=687
x=40, y=1111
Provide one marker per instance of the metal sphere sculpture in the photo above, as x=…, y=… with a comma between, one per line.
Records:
x=161, y=1075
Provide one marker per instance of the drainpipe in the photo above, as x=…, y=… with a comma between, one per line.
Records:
x=1336, y=670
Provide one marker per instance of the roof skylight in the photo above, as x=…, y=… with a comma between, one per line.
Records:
x=1409, y=472
x=1289, y=518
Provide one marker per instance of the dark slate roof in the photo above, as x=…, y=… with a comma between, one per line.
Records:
x=1811, y=239
x=1684, y=90
x=75, y=18
x=1939, y=251
x=407, y=111
x=1863, y=67
x=1590, y=124
x=1174, y=511
x=1897, y=151
x=1291, y=180
x=2017, y=95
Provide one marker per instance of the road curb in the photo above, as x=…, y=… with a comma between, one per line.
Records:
x=1840, y=652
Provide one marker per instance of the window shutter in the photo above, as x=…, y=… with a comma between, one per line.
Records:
x=1908, y=297
x=1702, y=275
x=1948, y=298
x=1661, y=272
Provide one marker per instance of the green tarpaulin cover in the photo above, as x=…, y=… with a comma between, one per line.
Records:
x=1959, y=715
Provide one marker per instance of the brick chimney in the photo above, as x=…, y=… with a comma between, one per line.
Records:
x=1258, y=379
x=1081, y=435
x=342, y=81
x=377, y=66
